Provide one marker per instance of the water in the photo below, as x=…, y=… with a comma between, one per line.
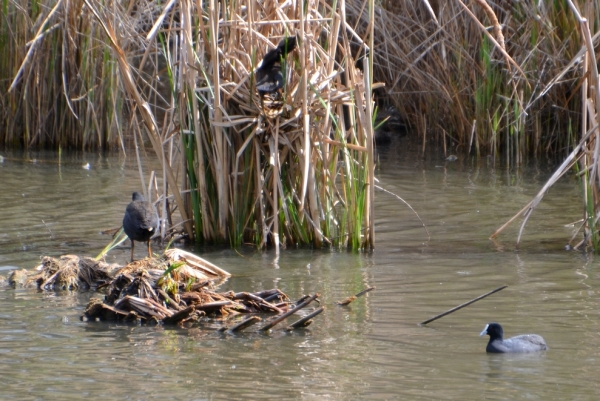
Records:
x=371, y=349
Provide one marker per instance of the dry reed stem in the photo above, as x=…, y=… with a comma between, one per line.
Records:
x=145, y=111
x=306, y=320
x=289, y=313
x=587, y=150
x=561, y=170
x=32, y=46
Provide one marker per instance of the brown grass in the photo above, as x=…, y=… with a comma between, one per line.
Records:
x=454, y=87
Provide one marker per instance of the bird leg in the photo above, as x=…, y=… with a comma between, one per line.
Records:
x=132, y=243
x=149, y=250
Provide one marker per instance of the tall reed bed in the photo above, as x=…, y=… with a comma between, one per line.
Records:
x=182, y=76
x=451, y=84
x=57, y=80
x=454, y=86
x=303, y=177
x=584, y=158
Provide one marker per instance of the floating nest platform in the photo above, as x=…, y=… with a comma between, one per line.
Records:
x=176, y=288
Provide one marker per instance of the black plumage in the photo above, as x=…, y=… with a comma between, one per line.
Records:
x=269, y=80
x=519, y=344
x=140, y=221
x=269, y=77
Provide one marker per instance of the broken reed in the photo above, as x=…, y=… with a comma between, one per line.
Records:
x=456, y=90
x=584, y=158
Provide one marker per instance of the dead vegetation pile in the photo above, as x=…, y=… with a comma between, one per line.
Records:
x=176, y=288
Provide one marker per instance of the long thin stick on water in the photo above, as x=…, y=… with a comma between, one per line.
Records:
x=462, y=306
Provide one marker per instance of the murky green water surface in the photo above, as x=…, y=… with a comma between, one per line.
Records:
x=372, y=349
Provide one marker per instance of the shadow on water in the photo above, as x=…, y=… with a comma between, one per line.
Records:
x=371, y=349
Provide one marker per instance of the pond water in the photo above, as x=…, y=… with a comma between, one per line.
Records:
x=371, y=349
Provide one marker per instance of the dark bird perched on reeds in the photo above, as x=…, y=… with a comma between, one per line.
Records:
x=269, y=77
x=140, y=221
x=519, y=344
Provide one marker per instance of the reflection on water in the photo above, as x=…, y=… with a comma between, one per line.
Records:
x=371, y=349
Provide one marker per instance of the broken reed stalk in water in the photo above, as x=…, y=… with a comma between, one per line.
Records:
x=306, y=320
x=242, y=325
x=462, y=305
x=279, y=318
x=353, y=297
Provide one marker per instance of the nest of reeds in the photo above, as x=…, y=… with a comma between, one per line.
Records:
x=69, y=272
x=181, y=288
x=73, y=272
x=144, y=299
x=176, y=288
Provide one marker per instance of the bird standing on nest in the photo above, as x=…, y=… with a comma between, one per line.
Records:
x=140, y=221
x=269, y=77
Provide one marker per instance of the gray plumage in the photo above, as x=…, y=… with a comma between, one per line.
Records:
x=519, y=344
x=140, y=221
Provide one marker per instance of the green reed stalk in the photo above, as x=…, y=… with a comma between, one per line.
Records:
x=590, y=213
x=189, y=145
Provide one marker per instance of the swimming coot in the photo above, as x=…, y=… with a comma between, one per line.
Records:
x=523, y=343
x=140, y=221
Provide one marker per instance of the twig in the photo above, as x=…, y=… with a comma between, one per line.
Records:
x=49, y=230
x=268, y=293
x=171, y=303
x=200, y=285
x=305, y=321
x=179, y=316
x=242, y=325
x=213, y=305
x=288, y=313
x=409, y=206
x=273, y=297
x=259, y=300
x=353, y=297
x=462, y=306
x=302, y=299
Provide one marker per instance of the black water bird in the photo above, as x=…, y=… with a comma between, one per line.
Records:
x=269, y=77
x=521, y=344
x=140, y=221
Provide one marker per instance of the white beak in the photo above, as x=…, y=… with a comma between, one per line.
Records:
x=484, y=332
